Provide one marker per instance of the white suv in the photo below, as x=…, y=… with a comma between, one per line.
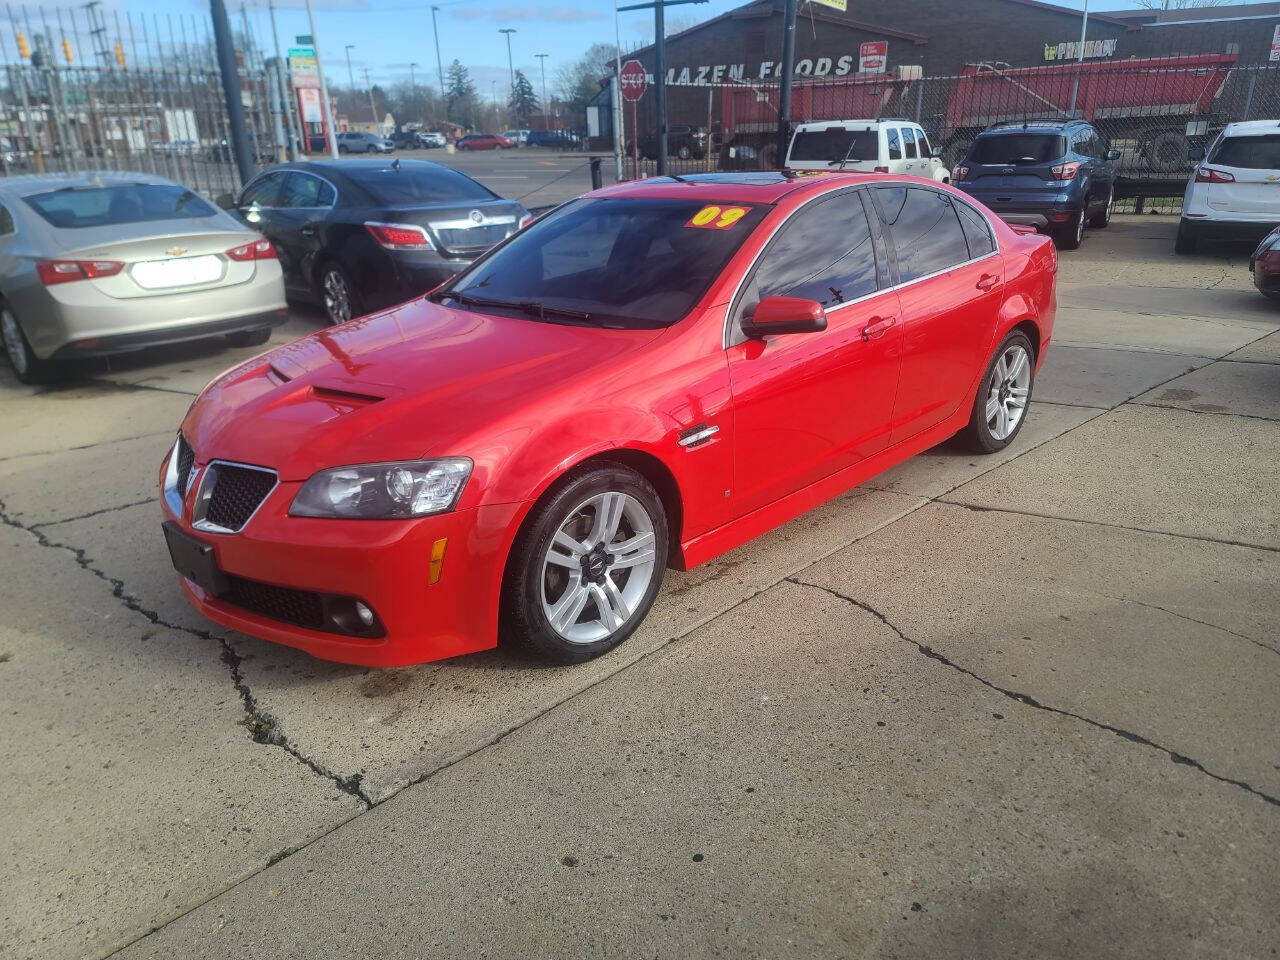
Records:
x=1234, y=191
x=868, y=146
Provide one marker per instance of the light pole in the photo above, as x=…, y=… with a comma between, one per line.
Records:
x=326, y=108
x=372, y=109
x=413, y=81
x=511, y=70
x=351, y=77
x=435, y=32
x=1075, y=84
x=543, y=58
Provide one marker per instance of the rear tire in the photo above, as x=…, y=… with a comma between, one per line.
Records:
x=249, y=338
x=1103, y=217
x=27, y=367
x=1186, y=242
x=1070, y=236
x=339, y=298
x=586, y=566
x=997, y=416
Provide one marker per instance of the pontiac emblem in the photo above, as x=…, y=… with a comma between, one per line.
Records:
x=477, y=216
x=176, y=251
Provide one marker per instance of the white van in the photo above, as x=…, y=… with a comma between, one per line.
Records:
x=868, y=146
x=1234, y=191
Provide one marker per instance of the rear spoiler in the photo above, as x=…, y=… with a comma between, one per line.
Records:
x=1021, y=228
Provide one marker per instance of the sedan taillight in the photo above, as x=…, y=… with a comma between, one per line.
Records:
x=1065, y=171
x=960, y=172
x=255, y=250
x=1209, y=175
x=64, y=271
x=399, y=236
x=525, y=221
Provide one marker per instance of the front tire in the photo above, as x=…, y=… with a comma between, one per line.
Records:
x=587, y=565
x=1004, y=396
x=27, y=367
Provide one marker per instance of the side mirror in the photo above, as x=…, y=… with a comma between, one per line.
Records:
x=226, y=201
x=775, y=315
x=1113, y=154
x=936, y=152
x=1195, y=153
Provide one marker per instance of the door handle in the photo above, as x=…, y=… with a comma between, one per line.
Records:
x=987, y=281
x=877, y=327
x=308, y=231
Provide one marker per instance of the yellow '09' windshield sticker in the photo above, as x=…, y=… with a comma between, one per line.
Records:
x=715, y=217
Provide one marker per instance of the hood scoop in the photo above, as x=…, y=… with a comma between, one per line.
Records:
x=343, y=399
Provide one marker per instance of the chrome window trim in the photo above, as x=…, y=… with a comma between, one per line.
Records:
x=308, y=173
x=725, y=336
x=200, y=505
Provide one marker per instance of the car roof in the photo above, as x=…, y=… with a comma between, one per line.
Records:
x=25, y=186
x=866, y=123
x=1251, y=128
x=761, y=186
x=329, y=165
x=1033, y=125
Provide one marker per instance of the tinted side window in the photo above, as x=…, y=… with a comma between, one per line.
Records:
x=895, y=143
x=6, y=222
x=925, y=149
x=824, y=253
x=263, y=191
x=304, y=190
x=976, y=231
x=909, y=142
x=925, y=228
x=1252, y=153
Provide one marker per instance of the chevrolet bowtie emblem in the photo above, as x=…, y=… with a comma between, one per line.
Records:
x=176, y=251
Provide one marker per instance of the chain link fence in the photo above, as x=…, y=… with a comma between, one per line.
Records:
x=83, y=88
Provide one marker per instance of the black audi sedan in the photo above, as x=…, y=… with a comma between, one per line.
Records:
x=354, y=235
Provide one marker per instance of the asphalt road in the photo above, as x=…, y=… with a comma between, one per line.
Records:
x=535, y=176
x=1022, y=705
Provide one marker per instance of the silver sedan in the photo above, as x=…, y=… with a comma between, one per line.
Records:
x=99, y=263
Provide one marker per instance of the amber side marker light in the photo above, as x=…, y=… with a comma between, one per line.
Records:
x=437, y=559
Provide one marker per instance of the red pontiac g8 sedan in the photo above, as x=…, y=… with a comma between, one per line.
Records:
x=645, y=377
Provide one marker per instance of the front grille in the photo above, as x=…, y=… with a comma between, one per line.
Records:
x=474, y=239
x=301, y=608
x=236, y=493
x=186, y=459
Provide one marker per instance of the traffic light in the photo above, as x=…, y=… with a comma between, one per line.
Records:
x=66, y=50
x=120, y=54
x=24, y=48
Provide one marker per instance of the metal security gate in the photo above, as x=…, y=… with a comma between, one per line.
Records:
x=82, y=88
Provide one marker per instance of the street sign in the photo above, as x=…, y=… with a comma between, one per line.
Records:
x=1275, y=45
x=873, y=57
x=841, y=5
x=305, y=73
x=308, y=52
x=304, y=40
x=634, y=80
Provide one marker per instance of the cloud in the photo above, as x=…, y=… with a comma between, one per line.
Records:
x=530, y=13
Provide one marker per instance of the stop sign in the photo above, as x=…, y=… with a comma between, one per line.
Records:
x=634, y=80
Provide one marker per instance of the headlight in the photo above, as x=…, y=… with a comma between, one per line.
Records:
x=383, y=491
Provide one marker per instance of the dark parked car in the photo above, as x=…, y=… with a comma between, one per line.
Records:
x=550, y=138
x=484, y=141
x=1264, y=264
x=357, y=235
x=406, y=140
x=1055, y=175
x=352, y=141
x=684, y=142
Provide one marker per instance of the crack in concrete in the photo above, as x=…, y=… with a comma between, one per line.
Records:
x=1183, y=616
x=261, y=726
x=85, y=446
x=1027, y=700
x=1210, y=413
x=91, y=513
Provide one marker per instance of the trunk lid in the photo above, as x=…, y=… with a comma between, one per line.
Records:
x=464, y=229
x=1254, y=163
x=163, y=264
x=1016, y=167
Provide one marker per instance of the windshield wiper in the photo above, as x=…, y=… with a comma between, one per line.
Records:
x=531, y=307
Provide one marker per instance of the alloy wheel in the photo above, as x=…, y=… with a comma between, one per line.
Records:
x=1008, y=392
x=598, y=567
x=337, y=298
x=1080, y=227
x=13, y=344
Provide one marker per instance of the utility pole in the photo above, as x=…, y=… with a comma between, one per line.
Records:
x=511, y=70
x=231, y=89
x=372, y=109
x=435, y=32
x=413, y=81
x=286, y=93
x=788, y=70
x=326, y=107
x=1075, y=84
x=351, y=77
x=542, y=58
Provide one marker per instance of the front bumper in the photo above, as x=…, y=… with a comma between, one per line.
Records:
x=384, y=563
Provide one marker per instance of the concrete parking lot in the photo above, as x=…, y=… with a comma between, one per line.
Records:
x=1024, y=705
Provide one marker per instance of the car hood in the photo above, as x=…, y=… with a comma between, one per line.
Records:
x=418, y=381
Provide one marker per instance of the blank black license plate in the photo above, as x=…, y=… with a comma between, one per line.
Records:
x=194, y=559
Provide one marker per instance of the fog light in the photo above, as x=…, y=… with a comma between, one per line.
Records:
x=364, y=613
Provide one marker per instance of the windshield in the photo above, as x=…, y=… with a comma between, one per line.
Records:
x=612, y=262
x=1013, y=149
x=835, y=143
x=1252, y=153
x=412, y=184
x=73, y=207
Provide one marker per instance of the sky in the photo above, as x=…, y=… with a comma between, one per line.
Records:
x=387, y=35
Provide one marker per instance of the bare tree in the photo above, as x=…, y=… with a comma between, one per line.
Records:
x=1179, y=4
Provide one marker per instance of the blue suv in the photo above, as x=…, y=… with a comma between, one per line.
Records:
x=1055, y=175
